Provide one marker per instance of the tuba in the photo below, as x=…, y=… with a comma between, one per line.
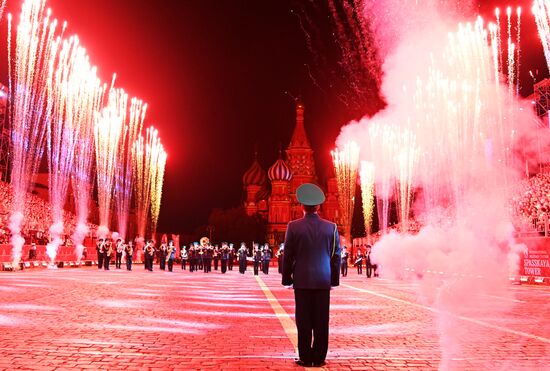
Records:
x=204, y=241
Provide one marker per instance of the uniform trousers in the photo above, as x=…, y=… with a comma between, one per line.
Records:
x=118, y=261
x=129, y=262
x=183, y=261
x=256, y=267
x=170, y=264
x=224, y=265
x=312, y=319
x=344, y=268
x=100, y=258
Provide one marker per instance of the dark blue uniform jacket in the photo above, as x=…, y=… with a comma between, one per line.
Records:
x=312, y=254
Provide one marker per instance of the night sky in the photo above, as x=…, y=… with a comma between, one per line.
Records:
x=218, y=77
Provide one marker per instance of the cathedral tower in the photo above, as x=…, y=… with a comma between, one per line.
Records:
x=300, y=160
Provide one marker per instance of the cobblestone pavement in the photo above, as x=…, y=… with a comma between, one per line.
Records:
x=89, y=319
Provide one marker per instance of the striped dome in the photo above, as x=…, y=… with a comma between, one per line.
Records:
x=279, y=171
x=255, y=175
x=263, y=194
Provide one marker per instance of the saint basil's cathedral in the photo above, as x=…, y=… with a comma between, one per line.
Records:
x=272, y=194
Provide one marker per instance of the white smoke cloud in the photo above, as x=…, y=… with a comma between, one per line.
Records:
x=452, y=129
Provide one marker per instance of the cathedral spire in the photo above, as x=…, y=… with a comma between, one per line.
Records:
x=299, y=137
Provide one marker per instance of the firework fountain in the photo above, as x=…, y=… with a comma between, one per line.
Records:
x=448, y=133
x=109, y=126
x=149, y=169
x=125, y=170
x=346, y=163
x=367, y=194
x=159, y=158
x=29, y=105
x=541, y=10
x=73, y=87
x=82, y=178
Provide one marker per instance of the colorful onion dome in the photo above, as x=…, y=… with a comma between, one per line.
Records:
x=279, y=171
x=255, y=175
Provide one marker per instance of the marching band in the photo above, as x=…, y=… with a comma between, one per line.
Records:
x=201, y=255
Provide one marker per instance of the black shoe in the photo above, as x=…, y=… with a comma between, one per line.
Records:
x=319, y=364
x=299, y=362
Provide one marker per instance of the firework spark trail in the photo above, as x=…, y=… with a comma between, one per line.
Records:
x=518, y=49
x=2, y=8
x=159, y=163
x=143, y=178
x=109, y=126
x=82, y=176
x=125, y=172
x=367, y=193
x=29, y=104
x=405, y=162
x=541, y=10
x=346, y=163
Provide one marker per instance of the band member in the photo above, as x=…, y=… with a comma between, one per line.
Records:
x=216, y=257
x=266, y=256
x=192, y=258
x=280, y=257
x=231, y=259
x=149, y=255
x=200, y=258
x=170, y=255
x=344, y=262
x=100, y=248
x=129, y=250
x=368, y=263
x=207, y=258
x=359, y=261
x=32, y=251
x=257, y=258
x=108, y=254
x=184, y=256
x=119, y=251
x=242, y=258
x=162, y=256
x=224, y=255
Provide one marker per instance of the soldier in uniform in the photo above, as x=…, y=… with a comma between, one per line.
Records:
x=231, y=258
x=266, y=256
x=192, y=258
x=184, y=256
x=280, y=257
x=151, y=253
x=359, y=261
x=216, y=257
x=108, y=254
x=242, y=258
x=129, y=250
x=311, y=266
x=344, y=264
x=224, y=255
x=257, y=258
x=162, y=256
x=100, y=252
x=119, y=251
x=170, y=255
x=368, y=263
x=207, y=258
